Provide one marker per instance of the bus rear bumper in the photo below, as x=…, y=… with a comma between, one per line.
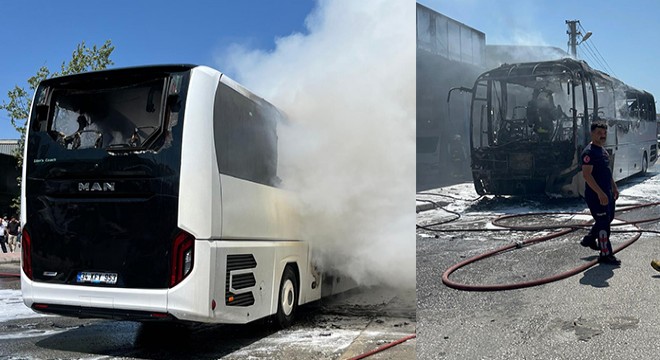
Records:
x=101, y=312
x=95, y=302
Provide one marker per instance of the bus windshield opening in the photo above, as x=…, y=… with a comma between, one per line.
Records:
x=120, y=117
x=536, y=110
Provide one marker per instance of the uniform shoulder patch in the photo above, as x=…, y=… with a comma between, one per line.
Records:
x=586, y=159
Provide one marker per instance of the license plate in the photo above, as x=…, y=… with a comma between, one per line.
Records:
x=96, y=278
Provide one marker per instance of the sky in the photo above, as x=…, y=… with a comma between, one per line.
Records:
x=625, y=34
x=39, y=33
x=342, y=70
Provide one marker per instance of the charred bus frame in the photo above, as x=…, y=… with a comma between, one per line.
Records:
x=512, y=153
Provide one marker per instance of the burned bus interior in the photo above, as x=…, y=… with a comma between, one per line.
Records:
x=129, y=113
x=530, y=120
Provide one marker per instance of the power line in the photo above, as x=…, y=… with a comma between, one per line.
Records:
x=596, y=53
x=596, y=59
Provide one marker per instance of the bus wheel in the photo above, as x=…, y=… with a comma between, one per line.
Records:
x=288, y=299
x=645, y=165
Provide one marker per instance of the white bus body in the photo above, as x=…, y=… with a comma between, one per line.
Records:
x=173, y=215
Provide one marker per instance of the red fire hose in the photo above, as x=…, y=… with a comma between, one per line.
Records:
x=498, y=287
x=384, y=347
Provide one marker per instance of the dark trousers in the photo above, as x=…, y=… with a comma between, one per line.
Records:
x=603, y=216
x=2, y=243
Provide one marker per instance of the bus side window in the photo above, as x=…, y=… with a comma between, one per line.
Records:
x=246, y=138
x=646, y=109
x=633, y=108
x=41, y=120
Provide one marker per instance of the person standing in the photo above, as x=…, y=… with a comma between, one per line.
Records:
x=13, y=227
x=3, y=232
x=600, y=193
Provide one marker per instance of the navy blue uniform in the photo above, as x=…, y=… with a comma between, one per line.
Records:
x=599, y=158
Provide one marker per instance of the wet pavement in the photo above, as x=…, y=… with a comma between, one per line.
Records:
x=340, y=327
x=604, y=312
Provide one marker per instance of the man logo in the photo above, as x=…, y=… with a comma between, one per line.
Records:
x=96, y=186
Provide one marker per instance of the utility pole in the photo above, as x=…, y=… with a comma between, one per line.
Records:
x=572, y=36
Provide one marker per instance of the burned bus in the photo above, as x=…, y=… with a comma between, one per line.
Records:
x=529, y=122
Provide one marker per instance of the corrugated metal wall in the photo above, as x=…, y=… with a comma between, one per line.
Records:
x=9, y=188
x=7, y=147
x=446, y=37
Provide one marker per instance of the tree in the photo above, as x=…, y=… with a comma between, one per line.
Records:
x=18, y=108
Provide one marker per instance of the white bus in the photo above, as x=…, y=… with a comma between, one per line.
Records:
x=150, y=193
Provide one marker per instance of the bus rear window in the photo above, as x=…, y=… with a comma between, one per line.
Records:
x=122, y=117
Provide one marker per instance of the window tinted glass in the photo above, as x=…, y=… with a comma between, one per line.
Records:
x=245, y=136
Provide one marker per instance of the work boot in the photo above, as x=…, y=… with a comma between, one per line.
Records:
x=609, y=260
x=589, y=242
x=656, y=265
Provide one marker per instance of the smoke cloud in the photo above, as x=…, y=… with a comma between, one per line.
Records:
x=348, y=87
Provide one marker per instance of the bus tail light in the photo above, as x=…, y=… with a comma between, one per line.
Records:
x=183, y=251
x=26, y=250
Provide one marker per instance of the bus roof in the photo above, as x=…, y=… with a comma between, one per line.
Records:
x=165, y=68
x=565, y=65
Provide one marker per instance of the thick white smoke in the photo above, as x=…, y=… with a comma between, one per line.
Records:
x=348, y=87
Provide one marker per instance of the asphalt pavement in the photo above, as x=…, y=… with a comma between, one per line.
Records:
x=604, y=312
x=340, y=327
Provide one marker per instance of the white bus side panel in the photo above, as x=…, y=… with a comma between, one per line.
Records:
x=271, y=257
x=254, y=211
x=200, y=185
x=231, y=216
x=192, y=299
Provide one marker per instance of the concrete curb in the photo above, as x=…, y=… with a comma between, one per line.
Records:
x=430, y=206
x=7, y=258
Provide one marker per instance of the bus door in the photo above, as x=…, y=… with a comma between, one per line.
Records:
x=617, y=156
x=605, y=111
x=478, y=127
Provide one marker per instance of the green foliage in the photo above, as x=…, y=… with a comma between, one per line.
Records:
x=83, y=59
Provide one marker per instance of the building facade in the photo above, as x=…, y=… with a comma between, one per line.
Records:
x=449, y=54
x=9, y=174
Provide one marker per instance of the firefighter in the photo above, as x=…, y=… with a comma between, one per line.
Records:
x=542, y=113
x=600, y=193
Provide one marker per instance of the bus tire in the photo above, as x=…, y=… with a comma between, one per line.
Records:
x=645, y=165
x=288, y=298
x=478, y=186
